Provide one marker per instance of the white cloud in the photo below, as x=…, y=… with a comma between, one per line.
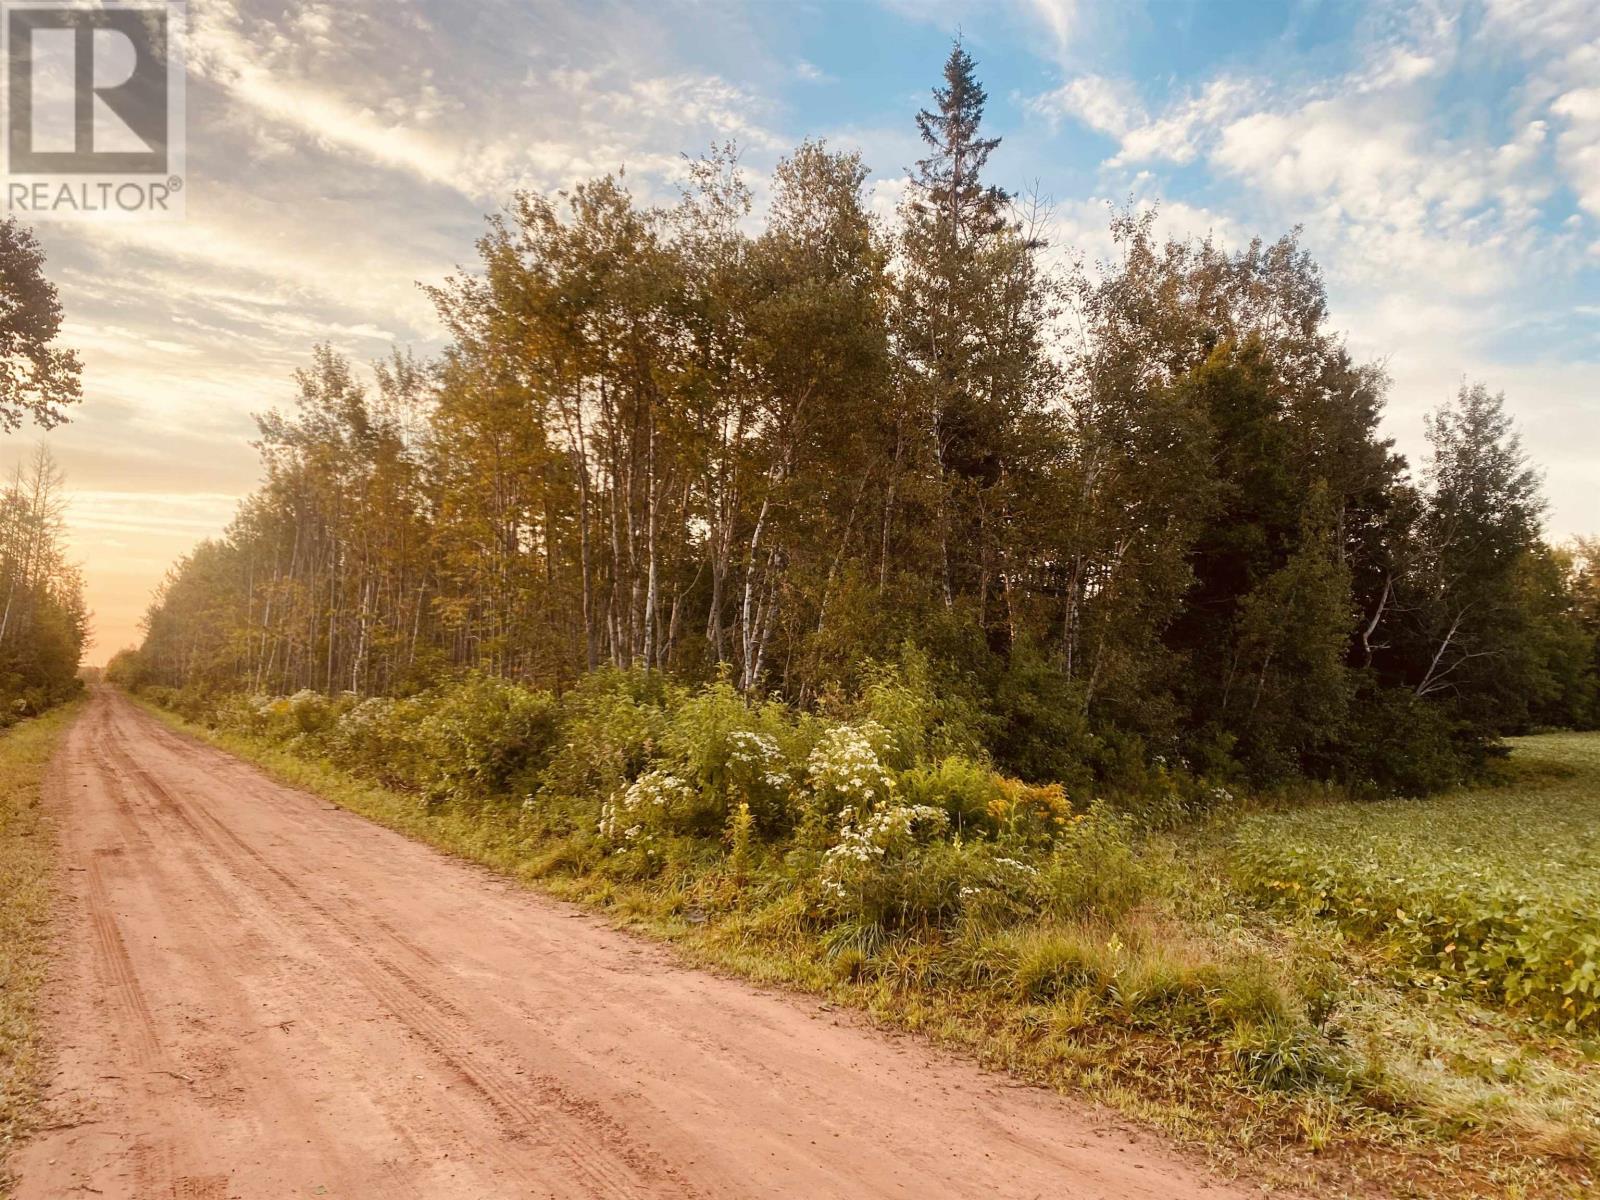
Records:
x=1358, y=160
x=1559, y=41
x=586, y=121
x=1579, y=143
x=1060, y=17
x=1177, y=136
x=1105, y=106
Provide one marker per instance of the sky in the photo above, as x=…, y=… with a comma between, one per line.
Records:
x=1442, y=160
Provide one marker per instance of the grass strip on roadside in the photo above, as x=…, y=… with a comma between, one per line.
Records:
x=27, y=861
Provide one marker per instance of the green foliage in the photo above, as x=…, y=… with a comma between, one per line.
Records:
x=892, y=868
x=377, y=738
x=1089, y=973
x=736, y=752
x=919, y=714
x=1401, y=745
x=845, y=774
x=483, y=734
x=306, y=714
x=127, y=670
x=614, y=725
x=1283, y=1056
x=655, y=806
x=968, y=792
x=1471, y=896
x=1040, y=732
x=471, y=739
x=43, y=620
x=859, y=464
x=1093, y=868
x=1051, y=964
x=41, y=377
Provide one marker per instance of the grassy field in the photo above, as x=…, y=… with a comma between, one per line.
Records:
x=1174, y=1008
x=26, y=861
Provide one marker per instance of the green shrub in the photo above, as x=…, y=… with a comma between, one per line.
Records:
x=736, y=752
x=379, y=738
x=918, y=717
x=1051, y=963
x=1159, y=989
x=236, y=713
x=1284, y=1056
x=844, y=775
x=1408, y=747
x=1251, y=993
x=1093, y=868
x=890, y=867
x=302, y=718
x=613, y=724
x=190, y=703
x=966, y=790
x=481, y=733
x=1039, y=733
x=658, y=804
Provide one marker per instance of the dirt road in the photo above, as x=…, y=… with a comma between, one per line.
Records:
x=262, y=996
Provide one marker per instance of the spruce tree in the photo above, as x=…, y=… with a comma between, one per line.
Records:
x=949, y=179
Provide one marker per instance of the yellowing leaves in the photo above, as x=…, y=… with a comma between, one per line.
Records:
x=1490, y=890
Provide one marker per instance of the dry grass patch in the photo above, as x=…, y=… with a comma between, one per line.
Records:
x=26, y=887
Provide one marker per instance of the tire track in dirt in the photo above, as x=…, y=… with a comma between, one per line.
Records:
x=245, y=910
x=251, y=904
x=262, y=996
x=597, y=1152
x=116, y=968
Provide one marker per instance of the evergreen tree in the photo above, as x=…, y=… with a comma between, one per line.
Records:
x=949, y=182
x=1481, y=518
x=969, y=320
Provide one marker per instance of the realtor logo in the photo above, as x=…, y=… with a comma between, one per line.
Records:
x=94, y=110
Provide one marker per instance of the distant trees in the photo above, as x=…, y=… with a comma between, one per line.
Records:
x=43, y=623
x=1135, y=510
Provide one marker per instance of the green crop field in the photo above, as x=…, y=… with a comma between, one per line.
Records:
x=1495, y=889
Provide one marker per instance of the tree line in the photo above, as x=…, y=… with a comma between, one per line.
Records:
x=1132, y=511
x=43, y=620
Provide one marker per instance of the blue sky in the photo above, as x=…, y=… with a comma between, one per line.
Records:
x=1441, y=158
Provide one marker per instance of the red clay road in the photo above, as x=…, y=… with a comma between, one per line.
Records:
x=261, y=996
